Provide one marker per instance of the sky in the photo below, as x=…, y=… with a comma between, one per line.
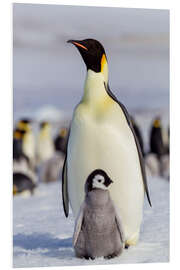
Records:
x=48, y=71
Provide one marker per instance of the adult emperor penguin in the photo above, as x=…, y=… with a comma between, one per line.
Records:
x=102, y=136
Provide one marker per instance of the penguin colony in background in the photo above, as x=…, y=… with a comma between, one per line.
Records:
x=102, y=136
x=50, y=168
x=98, y=231
x=30, y=154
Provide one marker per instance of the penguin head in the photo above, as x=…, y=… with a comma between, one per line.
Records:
x=45, y=129
x=24, y=124
x=157, y=122
x=18, y=134
x=93, y=55
x=97, y=179
x=44, y=124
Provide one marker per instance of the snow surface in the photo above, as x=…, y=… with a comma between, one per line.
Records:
x=43, y=236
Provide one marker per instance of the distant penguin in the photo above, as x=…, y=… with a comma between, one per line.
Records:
x=60, y=141
x=138, y=134
x=22, y=183
x=20, y=160
x=156, y=138
x=28, y=144
x=98, y=230
x=152, y=164
x=17, y=145
x=45, y=145
x=21, y=163
x=50, y=169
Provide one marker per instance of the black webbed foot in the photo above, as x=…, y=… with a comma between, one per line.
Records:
x=110, y=256
x=89, y=258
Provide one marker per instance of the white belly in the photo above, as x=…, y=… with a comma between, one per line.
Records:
x=108, y=144
x=45, y=149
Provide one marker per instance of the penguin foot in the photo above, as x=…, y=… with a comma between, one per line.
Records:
x=132, y=241
x=89, y=258
x=110, y=256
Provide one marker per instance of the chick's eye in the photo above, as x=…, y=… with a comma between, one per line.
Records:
x=99, y=180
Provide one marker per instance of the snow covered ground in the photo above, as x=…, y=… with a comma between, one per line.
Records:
x=43, y=236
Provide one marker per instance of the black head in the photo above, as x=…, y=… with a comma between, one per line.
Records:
x=97, y=179
x=25, y=121
x=43, y=124
x=92, y=53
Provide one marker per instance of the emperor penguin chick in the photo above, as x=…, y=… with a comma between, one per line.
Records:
x=98, y=230
x=45, y=145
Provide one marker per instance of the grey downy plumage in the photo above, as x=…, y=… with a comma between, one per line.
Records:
x=98, y=230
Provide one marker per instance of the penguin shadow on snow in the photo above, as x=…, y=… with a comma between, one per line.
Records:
x=56, y=247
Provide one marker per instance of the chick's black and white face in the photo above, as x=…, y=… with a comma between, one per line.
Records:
x=97, y=179
x=99, y=182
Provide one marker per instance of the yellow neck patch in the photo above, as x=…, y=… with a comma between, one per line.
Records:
x=157, y=123
x=15, y=190
x=23, y=126
x=103, y=61
x=17, y=135
x=63, y=132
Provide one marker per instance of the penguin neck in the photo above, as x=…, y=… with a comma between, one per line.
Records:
x=95, y=88
x=98, y=197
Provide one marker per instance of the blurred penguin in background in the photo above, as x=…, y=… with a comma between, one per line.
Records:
x=50, y=170
x=158, y=158
x=60, y=141
x=21, y=163
x=28, y=143
x=22, y=183
x=138, y=134
x=19, y=158
x=156, y=138
x=45, y=144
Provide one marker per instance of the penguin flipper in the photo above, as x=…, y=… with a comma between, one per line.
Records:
x=65, y=196
x=141, y=159
x=78, y=223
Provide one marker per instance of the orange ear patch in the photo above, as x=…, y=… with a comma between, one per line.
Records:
x=79, y=45
x=103, y=61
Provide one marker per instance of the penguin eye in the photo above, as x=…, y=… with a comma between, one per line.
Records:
x=99, y=180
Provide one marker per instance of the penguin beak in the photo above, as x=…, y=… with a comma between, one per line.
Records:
x=111, y=181
x=77, y=43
